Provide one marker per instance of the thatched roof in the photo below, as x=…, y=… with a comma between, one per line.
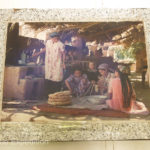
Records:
x=99, y=31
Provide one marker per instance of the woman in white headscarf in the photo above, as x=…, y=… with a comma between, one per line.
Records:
x=54, y=63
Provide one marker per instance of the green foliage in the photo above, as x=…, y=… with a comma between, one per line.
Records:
x=130, y=52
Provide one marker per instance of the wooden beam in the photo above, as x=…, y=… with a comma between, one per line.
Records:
x=111, y=30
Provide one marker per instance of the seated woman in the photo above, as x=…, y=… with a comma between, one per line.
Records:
x=122, y=96
x=104, y=78
x=92, y=73
x=77, y=83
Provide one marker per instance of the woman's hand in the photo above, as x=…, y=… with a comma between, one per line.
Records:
x=38, y=53
x=35, y=55
x=93, y=82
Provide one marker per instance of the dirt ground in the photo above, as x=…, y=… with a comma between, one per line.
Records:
x=21, y=110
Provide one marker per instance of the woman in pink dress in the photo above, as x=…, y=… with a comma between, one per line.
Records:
x=122, y=96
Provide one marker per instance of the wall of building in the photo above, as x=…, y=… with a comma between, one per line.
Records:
x=141, y=60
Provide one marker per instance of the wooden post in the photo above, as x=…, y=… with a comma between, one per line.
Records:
x=147, y=36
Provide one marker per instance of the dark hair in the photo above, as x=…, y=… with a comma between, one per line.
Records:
x=127, y=89
x=77, y=69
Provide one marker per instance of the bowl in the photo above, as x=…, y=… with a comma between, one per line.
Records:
x=97, y=99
